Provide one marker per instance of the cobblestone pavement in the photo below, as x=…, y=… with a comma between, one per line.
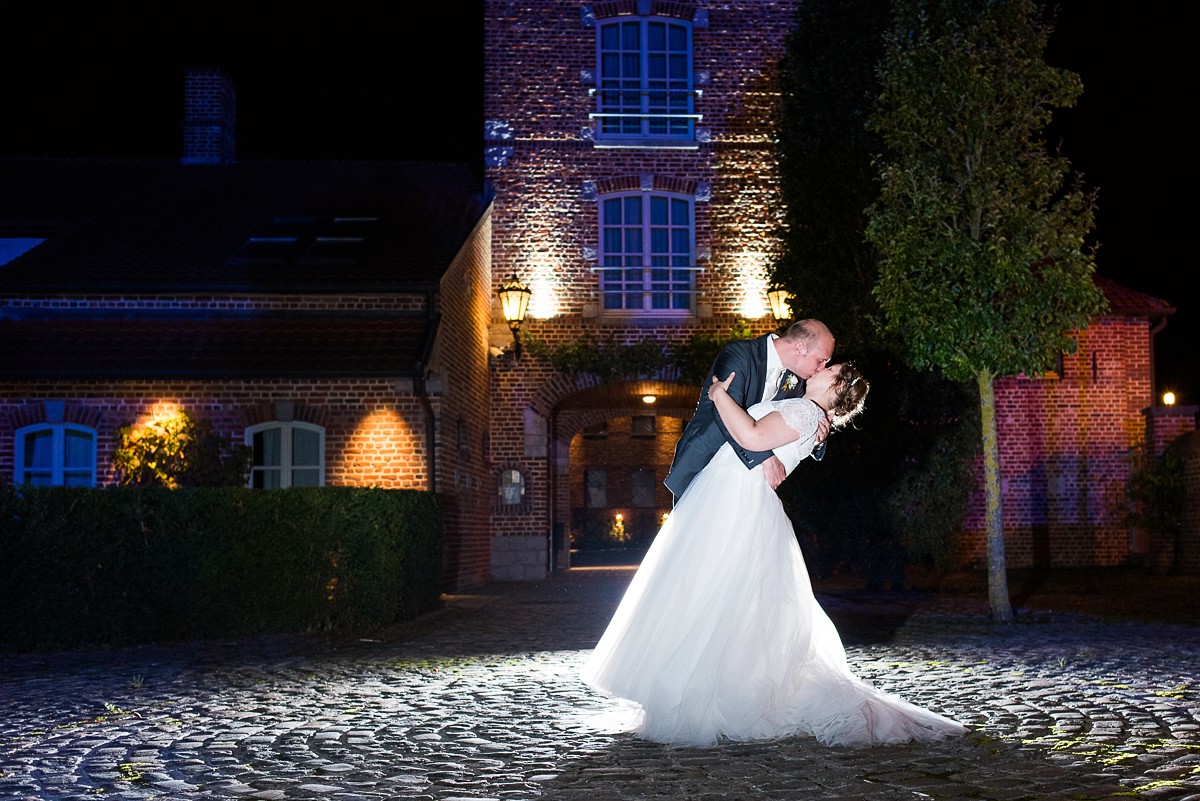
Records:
x=482, y=700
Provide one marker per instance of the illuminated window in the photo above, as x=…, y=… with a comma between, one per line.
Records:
x=646, y=254
x=287, y=455
x=56, y=455
x=644, y=92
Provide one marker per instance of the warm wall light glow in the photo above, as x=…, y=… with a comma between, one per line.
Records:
x=1168, y=399
x=157, y=413
x=665, y=515
x=648, y=399
x=750, y=268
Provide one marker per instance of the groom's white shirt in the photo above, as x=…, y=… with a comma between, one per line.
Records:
x=774, y=370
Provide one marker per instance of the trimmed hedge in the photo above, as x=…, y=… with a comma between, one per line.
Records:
x=120, y=566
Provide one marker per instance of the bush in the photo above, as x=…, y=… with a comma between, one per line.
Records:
x=129, y=565
x=180, y=450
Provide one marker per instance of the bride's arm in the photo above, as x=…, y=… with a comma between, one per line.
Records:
x=757, y=435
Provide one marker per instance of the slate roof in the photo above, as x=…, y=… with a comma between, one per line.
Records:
x=157, y=227
x=161, y=226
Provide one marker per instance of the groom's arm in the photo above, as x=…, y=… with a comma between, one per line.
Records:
x=746, y=390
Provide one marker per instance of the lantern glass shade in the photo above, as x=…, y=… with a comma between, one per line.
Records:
x=780, y=300
x=514, y=300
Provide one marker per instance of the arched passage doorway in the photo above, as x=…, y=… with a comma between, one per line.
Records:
x=610, y=448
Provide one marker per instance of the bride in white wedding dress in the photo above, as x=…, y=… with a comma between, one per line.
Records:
x=719, y=635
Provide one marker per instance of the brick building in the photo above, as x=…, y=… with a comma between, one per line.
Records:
x=343, y=318
x=332, y=315
x=630, y=148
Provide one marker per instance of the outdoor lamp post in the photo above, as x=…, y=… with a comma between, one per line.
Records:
x=514, y=301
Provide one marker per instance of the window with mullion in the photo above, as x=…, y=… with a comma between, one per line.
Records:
x=645, y=79
x=58, y=455
x=287, y=455
x=646, y=265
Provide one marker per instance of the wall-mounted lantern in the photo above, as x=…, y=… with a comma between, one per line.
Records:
x=514, y=300
x=781, y=303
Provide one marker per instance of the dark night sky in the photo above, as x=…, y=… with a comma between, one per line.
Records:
x=373, y=84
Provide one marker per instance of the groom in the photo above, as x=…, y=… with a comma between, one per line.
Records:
x=760, y=364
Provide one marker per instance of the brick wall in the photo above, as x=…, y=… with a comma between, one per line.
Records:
x=1065, y=447
x=548, y=173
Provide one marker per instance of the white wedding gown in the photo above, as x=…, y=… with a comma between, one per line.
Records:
x=719, y=635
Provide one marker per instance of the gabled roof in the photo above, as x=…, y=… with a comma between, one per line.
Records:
x=1125, y=301
x=150, y=226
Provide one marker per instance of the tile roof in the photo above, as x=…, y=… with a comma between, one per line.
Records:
x=1123, y=300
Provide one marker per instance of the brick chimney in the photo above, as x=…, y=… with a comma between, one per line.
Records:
x=209, y=106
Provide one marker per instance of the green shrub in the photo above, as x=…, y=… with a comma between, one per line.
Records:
x=128, y=565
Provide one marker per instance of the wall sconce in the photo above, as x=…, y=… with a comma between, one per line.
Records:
x=1168, y=399
x=648, y=399
x=781, y=303
x=514, y=300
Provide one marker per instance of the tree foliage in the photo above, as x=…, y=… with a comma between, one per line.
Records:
x=985, y=268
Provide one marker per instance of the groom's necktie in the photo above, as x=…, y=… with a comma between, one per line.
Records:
x=782, y=391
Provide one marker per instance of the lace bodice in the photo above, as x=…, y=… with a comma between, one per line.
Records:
x=802, y=416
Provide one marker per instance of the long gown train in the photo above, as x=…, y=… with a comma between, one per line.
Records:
x=719, y=634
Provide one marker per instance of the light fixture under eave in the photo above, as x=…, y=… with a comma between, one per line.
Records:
x=781, y=303
x=649, y=399
x=514, y=301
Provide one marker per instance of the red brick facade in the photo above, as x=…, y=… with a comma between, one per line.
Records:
x=1065, y=439
x=379, y=432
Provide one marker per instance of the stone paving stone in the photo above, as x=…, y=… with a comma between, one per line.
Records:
x=482, y=701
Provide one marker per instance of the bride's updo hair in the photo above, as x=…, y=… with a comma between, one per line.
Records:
x=850, y=392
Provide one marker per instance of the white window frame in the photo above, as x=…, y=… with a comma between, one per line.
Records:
x=645, y=89
x=58, y=469
x=647, y=265
x=286, y=467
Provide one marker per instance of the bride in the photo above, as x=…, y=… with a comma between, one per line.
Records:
x=719, y=635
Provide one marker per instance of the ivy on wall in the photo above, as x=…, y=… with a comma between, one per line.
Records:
x=611, y=360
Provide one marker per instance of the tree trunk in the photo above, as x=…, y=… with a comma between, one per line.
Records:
x=994, y=517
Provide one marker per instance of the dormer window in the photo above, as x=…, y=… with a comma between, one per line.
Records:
x=644, y=92
x=308, y=241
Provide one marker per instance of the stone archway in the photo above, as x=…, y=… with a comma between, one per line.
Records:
x=589, y=404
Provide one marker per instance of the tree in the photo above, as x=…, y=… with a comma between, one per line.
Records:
x=878, y=501
x=985, y=269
